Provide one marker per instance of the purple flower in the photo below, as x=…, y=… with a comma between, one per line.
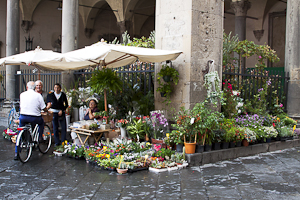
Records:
x=259, y=57
x=261, y=89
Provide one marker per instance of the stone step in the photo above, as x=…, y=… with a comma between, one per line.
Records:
x=197, y=159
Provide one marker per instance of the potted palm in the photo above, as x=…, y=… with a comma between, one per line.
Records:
x=105, y=80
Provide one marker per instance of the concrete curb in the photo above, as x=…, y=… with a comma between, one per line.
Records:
x=197, y=159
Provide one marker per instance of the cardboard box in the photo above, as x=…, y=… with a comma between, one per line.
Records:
x=105, y=126
x=112, y=134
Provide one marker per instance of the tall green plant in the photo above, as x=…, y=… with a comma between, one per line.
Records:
x=105, y=79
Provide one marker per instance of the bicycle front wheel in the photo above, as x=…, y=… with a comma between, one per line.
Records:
x=46, y=144
x=24, y=146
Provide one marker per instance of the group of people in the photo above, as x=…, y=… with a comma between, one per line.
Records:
x=34, y=100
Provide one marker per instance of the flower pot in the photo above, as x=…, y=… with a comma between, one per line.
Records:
x=238, y=144
x=283, y=138
x=216, y=146
x=231, y=144
x=155, y=141
x=162, y=94
x=190, y=147
x=179, y=147
x=199, y=148
x=167, y=78
x=245, y=143
x=122, y=171
x=268, y=140
x=225, y=145
x=207, y=147
x=290, y=138
x=123, y=132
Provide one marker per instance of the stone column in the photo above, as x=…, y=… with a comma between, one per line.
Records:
x=240, y=8
x=12, y=47
x=69, y=40
x=292, y=57
x=194, y=27
x=122, y=30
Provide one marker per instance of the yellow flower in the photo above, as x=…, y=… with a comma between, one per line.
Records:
x=107, y=156
x=105, y=147
x=278, y=118
x=167, y=135
x=98, y=156
x=294, y=127
x=148, y=143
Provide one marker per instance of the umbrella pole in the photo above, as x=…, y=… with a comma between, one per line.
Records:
x=105, y=103
x=39, y=74
x=105, y=100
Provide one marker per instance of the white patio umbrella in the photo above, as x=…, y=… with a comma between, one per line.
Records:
x=108, y=55
x=35, y=57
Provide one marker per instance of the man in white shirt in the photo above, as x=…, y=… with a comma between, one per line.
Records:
x=31, y=105
x=39, y=89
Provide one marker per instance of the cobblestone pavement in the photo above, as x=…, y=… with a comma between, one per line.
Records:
x=265, y=176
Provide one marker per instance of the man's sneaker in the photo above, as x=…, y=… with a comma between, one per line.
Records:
x=16, y=157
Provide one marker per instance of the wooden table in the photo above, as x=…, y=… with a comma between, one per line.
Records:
x=97, y=134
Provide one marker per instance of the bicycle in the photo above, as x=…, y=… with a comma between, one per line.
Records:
x=13, y=115
x=27, y=139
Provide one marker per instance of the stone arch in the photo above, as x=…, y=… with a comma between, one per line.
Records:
x=27, y=9
x=139, y=12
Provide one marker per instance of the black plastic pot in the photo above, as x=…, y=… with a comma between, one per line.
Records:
x=167, y=78
x=231, y=144
x=225, y=145
x=199, y=148
x=238, y=144
x=216, y=146
x=179, y=148
x=207, y=147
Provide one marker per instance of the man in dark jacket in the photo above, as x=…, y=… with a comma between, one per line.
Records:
x=58, y=103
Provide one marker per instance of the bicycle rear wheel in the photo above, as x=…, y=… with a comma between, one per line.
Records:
x=24, y=146
x=46, y=144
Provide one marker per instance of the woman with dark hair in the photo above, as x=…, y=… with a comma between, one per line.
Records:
x=92, y=109
x=58, y=103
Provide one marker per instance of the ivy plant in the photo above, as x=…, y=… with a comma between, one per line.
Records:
x=167, y=77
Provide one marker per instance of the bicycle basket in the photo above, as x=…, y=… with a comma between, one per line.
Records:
x=48, y=117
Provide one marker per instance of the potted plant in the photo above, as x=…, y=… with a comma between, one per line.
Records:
x=177, y=137
x=270, y=132
x=93, y=126
x=206, y=121
x=103, y=80
x=249, y=136
x=185, y=124
x=170, y=77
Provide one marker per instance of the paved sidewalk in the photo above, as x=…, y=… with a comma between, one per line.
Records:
x=265, y=176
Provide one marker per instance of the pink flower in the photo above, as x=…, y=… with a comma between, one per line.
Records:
x=259, y=57
x=280, y=105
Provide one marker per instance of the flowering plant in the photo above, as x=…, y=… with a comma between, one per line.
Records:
x=270, y=131
x=249, y=134
x=159, y=123
x=123, y=123
x=74, y=150
x=251, y=121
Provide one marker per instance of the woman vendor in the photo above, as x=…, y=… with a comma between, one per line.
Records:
x=92, y=109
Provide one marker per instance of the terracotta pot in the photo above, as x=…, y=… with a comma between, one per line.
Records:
x=190, y=148
x=122, y=171
x=245, y=143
